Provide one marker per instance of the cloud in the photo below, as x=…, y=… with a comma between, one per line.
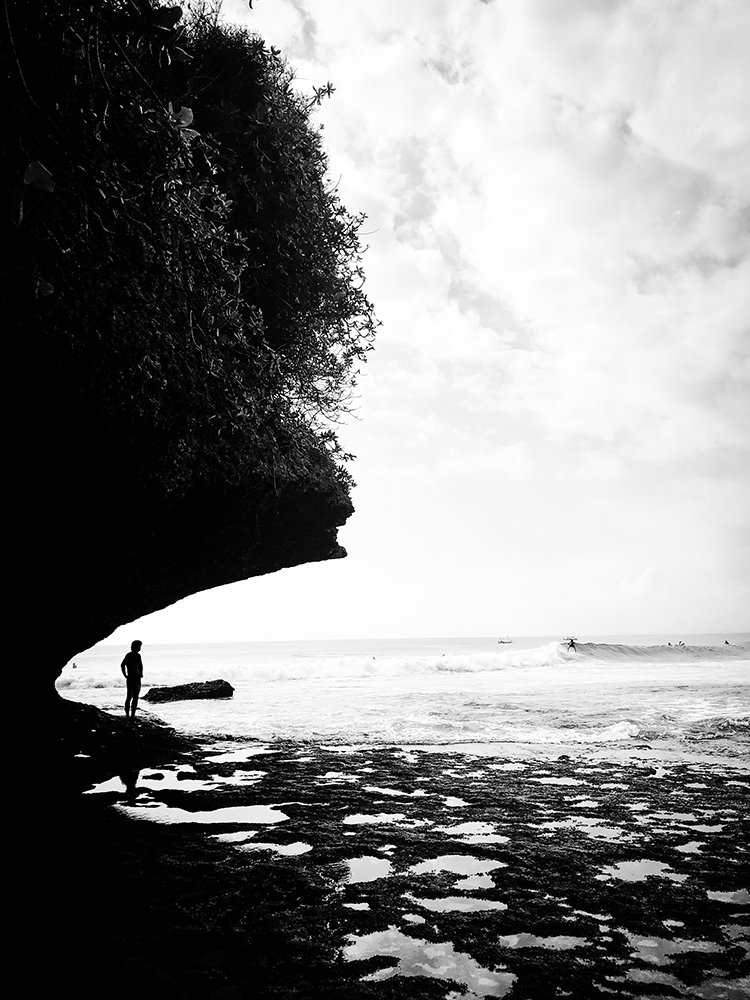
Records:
x=511, y=461
x=641, y=585
x=447, y=460
x=580, y=167
x=559, y=226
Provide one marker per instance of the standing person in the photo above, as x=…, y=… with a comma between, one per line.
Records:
x=132, y=670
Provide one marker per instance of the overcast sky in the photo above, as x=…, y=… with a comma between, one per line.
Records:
x=552, y=433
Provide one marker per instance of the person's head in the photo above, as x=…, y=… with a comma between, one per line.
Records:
x=135, y=645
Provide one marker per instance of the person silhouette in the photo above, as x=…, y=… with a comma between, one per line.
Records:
x=132, y=671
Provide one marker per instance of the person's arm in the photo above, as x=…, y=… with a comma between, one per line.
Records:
x=122, y=667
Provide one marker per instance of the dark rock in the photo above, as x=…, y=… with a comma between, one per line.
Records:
x=183, y=692
x=208, y=537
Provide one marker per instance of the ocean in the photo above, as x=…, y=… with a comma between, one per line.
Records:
x=613, y=692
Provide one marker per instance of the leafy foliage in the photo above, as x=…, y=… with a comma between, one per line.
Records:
x=180, y=266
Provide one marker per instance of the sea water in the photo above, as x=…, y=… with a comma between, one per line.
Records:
x=613, y=691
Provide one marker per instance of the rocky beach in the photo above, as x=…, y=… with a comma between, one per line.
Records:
x=177, y=867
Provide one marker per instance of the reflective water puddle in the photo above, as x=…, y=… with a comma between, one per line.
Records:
x=559, y=943
x=461, y=864
x=288, y=850
x=339, y=779
x=388, y=791
x=362, y=818
x=239, y=778
x=159, y=813
x=416, y=957
x=368, y=869
x=559, y=781
x=659, y=951
x=710, y=989
x=465, y=904
x=475, y=833
x=234, y=838
x=590, y=826
x=110, y=785
x=475, y=882
x=739, y=934
x=673, y=817
x=638, y=871
x=238, y=756
x=182, y=778
x=693, y=847
x=484, y=838
x=594, y=916
x=165, y=779
x=739, y=896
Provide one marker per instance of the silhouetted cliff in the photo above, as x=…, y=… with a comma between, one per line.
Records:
x=184, y=315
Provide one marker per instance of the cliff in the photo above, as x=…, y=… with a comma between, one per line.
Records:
x=184, y=316
x=93, y=562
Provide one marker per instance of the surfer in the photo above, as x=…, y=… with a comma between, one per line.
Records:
x=132, y=671
x=571, y=644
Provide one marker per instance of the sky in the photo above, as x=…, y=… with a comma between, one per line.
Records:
x=552, y=433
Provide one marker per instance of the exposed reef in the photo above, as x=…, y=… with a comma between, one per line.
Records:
x=297, y=871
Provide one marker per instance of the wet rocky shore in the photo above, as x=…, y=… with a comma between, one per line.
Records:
x=232, y=870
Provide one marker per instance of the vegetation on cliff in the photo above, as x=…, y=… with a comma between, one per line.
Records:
x=184, y=295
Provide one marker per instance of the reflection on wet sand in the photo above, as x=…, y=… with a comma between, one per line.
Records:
x=417, y=957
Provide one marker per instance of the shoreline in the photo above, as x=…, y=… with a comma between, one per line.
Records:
x=345, y=895
x=725, y=751
x=604, y=751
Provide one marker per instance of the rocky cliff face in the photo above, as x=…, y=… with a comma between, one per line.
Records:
x=92, y=563
x=184, y=318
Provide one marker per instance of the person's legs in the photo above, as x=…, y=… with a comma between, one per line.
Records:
x=131, y=702
x=135, y=692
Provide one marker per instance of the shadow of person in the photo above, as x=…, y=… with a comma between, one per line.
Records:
x=129, y=778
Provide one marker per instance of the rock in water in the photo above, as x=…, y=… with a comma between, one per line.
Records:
x=198, y=689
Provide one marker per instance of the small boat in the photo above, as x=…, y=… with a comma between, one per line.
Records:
x=504, y=641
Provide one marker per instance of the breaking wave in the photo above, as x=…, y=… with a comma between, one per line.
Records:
x=554, y=657
x=615, y=653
